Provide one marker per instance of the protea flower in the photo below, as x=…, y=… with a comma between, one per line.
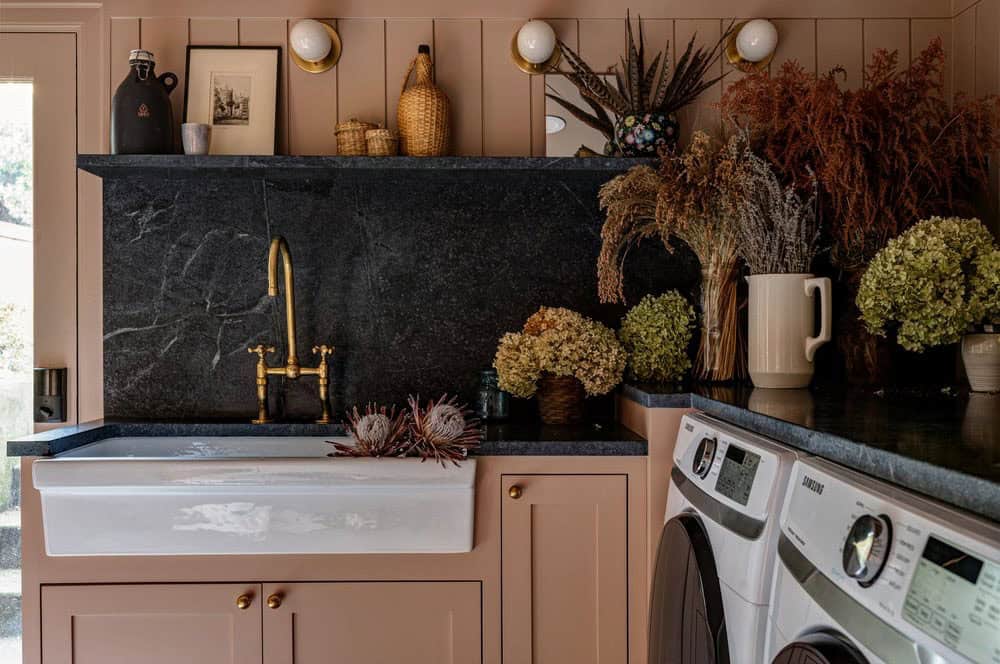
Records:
x=380, y=432
x=443, y=430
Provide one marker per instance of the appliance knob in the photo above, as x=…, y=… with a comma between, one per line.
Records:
x=867, y=548
x=704, y=456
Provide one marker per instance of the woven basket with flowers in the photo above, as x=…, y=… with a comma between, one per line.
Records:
x=560, y=356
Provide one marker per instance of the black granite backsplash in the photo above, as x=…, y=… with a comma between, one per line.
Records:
x=412, y=275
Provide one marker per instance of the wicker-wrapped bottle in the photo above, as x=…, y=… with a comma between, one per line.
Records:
x=424, y=114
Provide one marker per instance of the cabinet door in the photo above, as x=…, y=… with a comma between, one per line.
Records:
x=152, y=624
x=376, y=622
x=565, y=572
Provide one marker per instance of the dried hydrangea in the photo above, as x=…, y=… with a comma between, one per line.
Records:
x=564, y=343
x=932, y=283
x=656, y=334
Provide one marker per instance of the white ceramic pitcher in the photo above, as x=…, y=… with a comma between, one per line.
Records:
x=781, y=340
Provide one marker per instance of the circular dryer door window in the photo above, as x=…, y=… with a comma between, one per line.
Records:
x=686, y=621
x=819, y=648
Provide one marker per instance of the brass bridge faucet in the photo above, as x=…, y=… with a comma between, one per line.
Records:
x=291, y=370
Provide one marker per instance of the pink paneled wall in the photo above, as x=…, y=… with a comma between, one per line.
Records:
x=499, y=110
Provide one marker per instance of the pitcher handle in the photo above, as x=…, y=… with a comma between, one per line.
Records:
x=169, y=80
x=826, y=314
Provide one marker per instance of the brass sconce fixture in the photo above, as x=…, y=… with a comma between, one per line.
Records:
x=534, y=48
x=314, y=46
x=751, y=45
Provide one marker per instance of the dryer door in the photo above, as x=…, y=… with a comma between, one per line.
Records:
x=686, y=621
x=820, y=648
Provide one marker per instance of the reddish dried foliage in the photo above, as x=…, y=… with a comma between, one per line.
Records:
x=885, y=155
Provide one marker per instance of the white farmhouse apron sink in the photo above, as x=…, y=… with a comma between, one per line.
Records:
x=248, y=495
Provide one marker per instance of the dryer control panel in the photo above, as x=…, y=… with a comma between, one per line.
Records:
x=930, y=572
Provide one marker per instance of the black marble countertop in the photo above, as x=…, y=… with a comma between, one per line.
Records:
x=503, y=439
x=944, y=443
x=320, y=167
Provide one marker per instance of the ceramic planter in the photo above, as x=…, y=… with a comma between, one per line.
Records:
x=981, y=355
x=643, y=135
x=781, y=335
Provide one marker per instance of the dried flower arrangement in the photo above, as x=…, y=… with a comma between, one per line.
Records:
x=643, y=100
x=656, y=334
x=778, y=232
x=442, y=430
x=692, y=198
x=559, y=342
x=932, y=283
x=885, y=155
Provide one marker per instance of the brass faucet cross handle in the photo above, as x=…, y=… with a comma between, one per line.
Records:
x=291, y=369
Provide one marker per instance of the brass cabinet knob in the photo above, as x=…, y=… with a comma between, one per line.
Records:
x=515, y=492
x=243, y=602
x=273, y=601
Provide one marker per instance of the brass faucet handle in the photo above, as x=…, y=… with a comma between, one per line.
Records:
x=261, y=350
x=323, y=351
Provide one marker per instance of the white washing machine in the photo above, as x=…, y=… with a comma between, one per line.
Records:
x=712, y=578
x=870, y=573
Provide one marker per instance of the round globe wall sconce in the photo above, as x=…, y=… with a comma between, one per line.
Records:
x=751, y=45
x=534, y=48
x=314, y=46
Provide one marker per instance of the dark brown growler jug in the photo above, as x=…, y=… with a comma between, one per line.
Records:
x=142, y=120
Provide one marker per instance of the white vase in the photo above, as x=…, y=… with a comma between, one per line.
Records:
x=981, y=355
x=782, y=324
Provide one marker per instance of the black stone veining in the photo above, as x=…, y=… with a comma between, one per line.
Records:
x=503, y=439
x=941, y=443
x=413, y=275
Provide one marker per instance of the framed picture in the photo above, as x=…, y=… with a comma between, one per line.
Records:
x=234, y=89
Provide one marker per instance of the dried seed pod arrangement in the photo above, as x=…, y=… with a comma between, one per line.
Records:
x=443, y=430
x=380, y=432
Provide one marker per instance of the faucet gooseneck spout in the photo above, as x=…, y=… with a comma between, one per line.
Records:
x=280, y=245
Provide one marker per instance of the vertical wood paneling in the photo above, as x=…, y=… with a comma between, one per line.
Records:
x=796, y=41
x=361, y=72
x=964, y=46
x=214, y=31
x=892, y=34
x=402, y=37
x=273, y=32
x=167, y=38
x=987, y=47
x=458, y=69
x=506, y=94
x=124, y=38
x=602, y=42
x=312, y=109
x=567, y=30
x=922, y=31
x=702, y=114
x=839, y=43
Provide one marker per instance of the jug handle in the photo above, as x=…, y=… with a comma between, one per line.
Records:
x=826, y=314
x=169, y=80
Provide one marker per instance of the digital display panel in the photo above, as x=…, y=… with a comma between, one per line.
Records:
x=955, y=598
x=736, y=475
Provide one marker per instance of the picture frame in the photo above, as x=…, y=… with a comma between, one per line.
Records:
x=235, y=90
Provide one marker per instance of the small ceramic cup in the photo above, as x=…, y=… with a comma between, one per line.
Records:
x=196, y=137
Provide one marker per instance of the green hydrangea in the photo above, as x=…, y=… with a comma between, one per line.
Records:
x=932, y=282
x=656, y=334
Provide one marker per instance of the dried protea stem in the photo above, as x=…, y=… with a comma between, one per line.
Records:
x=379, y=432
x=443, y=430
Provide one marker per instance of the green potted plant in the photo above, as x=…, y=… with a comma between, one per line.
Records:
x=656, y=334
x=939, y=283
x=560, y=356
x=637, y=113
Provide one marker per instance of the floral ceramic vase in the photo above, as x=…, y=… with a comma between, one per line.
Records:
x=644, y=135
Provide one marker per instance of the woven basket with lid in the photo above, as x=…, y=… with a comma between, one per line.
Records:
x=351, y=137
x=424, y=114
x=381, y=143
